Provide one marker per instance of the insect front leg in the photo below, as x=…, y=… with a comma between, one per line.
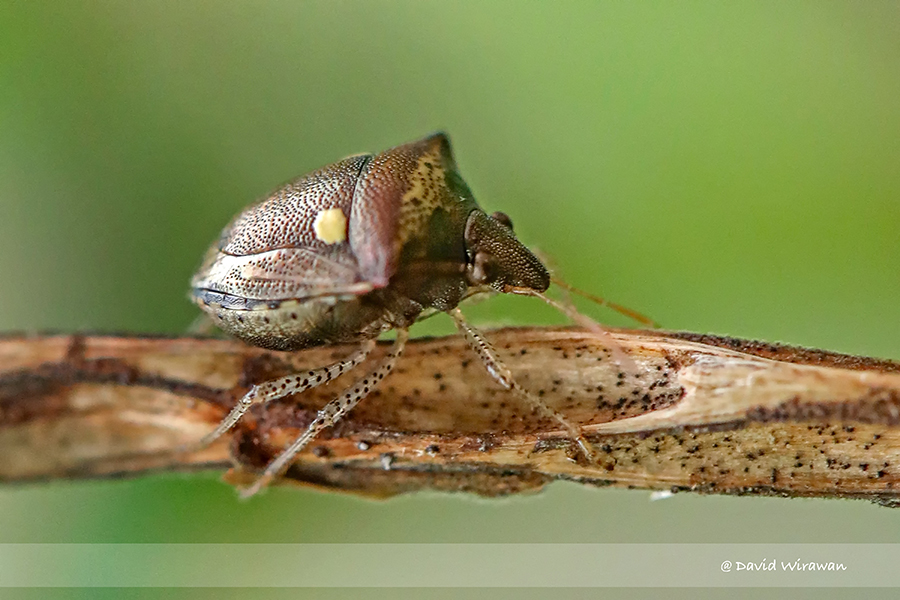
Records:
x=332, y=413
x=203, y=325
x=504, y=377
x=284, y=386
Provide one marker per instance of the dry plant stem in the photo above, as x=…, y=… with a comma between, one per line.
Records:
x=700, y=413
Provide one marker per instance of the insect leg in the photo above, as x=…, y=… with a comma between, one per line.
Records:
x=502, y=375
x=332, y=413
x=285, y=386
x=622, y=310
x=203, y=325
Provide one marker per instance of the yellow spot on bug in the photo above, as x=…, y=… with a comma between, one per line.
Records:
x=331, y=226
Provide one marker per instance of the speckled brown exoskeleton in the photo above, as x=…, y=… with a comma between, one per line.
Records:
x=368, y=244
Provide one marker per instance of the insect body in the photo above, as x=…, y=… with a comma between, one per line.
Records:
x=360, y=247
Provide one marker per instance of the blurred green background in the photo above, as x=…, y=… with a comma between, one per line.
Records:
x=730, y=168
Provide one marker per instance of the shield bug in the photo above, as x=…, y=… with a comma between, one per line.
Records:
x=357, y=248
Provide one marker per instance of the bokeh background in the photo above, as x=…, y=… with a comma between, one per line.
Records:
x=730, y=168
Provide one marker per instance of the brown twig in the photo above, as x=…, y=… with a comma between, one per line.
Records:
x=701, y=413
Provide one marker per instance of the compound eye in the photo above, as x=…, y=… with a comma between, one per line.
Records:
x=503, y=219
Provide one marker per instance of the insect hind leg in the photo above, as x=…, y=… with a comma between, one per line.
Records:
x=276, y=389
x=503, y=376
x=331, y=413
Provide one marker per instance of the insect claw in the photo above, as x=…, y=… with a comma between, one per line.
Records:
x=587, y=449
x=256, y=487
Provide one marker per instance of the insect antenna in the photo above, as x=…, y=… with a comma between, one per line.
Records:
x=565, y=287
x=622, y=310
x=615, y=349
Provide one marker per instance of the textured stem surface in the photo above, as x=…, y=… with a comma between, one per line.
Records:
x=699, y=413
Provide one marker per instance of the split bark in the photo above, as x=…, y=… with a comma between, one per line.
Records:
x=700, y=413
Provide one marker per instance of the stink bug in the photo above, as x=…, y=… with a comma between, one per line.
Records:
x=360, y=247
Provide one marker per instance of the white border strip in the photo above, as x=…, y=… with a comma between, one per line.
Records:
x=449, y=565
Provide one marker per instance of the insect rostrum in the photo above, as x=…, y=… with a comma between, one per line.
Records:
x=357, y=248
